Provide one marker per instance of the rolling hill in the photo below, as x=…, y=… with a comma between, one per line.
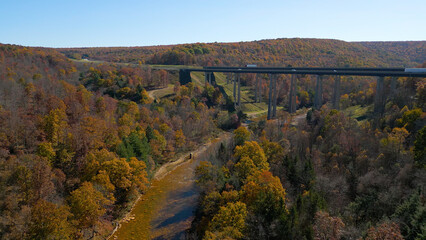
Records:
x=277, y=52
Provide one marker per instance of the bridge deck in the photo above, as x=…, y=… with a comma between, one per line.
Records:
x=379, y=72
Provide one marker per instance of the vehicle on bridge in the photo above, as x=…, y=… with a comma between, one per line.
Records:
x=415, y=70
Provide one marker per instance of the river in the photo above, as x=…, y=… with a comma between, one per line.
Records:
x=166, y=210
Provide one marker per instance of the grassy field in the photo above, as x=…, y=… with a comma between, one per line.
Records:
x=358, y=112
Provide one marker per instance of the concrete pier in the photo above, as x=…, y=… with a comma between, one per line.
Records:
x=292, y=96
x=318, y=93
x=256, y=88
x=274, y=103
x=270, y=98
x=336, y=93
x=259, y=97
x=379, y=101
x=235, y=88
x=239, y=90
x=393, y=81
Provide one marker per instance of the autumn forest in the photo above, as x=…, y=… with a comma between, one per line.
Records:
x=85, y=131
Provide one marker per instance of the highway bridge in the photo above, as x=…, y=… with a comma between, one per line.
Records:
x=380, y=73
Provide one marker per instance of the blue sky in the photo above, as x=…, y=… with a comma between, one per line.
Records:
x=91, y=23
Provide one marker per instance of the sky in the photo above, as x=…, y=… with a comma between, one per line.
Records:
x=107, y=23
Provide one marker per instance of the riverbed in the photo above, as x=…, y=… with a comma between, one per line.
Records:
x=166, y=210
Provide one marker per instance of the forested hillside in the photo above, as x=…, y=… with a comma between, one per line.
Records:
x=73, y=158
x=323, y=176
x=279, y=52
x=414, y=51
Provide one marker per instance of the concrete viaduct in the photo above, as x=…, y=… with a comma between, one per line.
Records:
x=380, y=73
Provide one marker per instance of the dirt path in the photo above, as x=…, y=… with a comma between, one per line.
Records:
x=154, y=93
x=166, y=210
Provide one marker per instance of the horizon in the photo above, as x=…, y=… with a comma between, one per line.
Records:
x=132, y=23
x=216, y=42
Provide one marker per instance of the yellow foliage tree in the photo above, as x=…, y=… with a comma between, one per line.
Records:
x=245, y=167
x=119, y=172
x=54, y=125
x=273, y=151
x=145, y=99
x=230, y=221
x=264, y=194
x=241, y=135
x=46, y=150
x=139, y=174
x=50, y=221
x=180, y=138
x=102, y=181
x=254, y=152
x=87, y=205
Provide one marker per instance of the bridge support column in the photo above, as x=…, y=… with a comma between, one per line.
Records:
x=292, y=97
x=206, y=77
x=256, y=88
x=210, y=78
x=235, y=88
x=184, y=76
x=379, y=100
x=274, y=109
x=270, y=98
x=259, y=96
x=227, y=78
x=318, y=93
x=336, y=94
x=393, y=86
x=239, y=90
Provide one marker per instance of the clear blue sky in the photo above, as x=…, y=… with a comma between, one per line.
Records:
x=91, y=23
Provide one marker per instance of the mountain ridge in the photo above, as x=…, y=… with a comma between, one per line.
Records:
x=275, y=52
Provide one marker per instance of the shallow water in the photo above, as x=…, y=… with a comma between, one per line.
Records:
x=177, y=212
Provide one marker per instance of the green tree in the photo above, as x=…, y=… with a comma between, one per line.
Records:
x=411, y=215
x=420, y=148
